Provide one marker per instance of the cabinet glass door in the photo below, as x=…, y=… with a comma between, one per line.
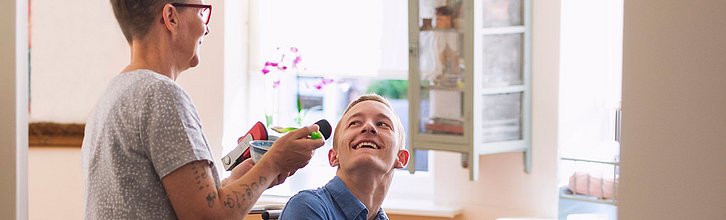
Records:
x=500, y=72
x=470, y=84
x=441, y=67
x=501, y=77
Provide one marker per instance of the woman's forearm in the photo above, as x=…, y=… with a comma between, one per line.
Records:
x=237, y=197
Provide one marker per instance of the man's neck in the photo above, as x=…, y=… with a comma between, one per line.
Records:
x=370, y=187
x=155, y=55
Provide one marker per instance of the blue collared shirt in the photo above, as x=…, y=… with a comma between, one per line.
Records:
x=332, y=201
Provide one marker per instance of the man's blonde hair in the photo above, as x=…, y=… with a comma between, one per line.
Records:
x=397, y=125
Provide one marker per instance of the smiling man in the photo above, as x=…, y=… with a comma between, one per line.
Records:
x=367, y=148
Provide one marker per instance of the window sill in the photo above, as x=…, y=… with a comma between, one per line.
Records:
x=422, y=208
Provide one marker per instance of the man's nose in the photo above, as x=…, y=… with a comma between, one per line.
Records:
x=207, y=30
x=369, y=127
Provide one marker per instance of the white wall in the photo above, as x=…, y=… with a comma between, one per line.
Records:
x=56, y=183
x=13, y=110
x=674, y=110
x=503, y=189
x=77, y=47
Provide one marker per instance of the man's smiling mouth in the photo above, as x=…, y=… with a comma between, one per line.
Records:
x=370, y=145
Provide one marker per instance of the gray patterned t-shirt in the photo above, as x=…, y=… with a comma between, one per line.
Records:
x=143, y=128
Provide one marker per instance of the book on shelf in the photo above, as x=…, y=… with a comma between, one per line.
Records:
x=445, y=126
x=446, y=121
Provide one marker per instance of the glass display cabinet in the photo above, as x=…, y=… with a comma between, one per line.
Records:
x=469, y=78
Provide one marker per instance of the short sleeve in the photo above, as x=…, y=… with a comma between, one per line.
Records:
x=171, y=129
x=304, y=205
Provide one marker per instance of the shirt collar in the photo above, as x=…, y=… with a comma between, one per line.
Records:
x=381, y=215
x=348, y=203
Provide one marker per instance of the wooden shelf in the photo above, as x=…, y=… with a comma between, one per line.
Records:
x=442, y=88
x=48, y=134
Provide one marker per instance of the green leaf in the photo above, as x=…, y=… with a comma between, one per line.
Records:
x=268, y=120
x=279, y=129
x=392, y=89
x=299, y=104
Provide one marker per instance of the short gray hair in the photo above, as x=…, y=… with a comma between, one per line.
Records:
x=136, y=16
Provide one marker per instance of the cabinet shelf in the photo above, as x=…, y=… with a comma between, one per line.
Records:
x=442, y=88
x=501, y=30
x=502, y=90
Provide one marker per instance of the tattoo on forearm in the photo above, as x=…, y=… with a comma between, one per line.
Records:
x=247, y=194
x=235, y=199
x=262, y=180
x=211, y=197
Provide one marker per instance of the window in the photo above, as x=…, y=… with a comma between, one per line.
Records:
x=346, y=49
x=590, y=94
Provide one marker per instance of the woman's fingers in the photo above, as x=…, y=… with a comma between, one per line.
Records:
x=303, y=132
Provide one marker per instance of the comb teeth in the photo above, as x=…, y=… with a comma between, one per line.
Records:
x=325, y=128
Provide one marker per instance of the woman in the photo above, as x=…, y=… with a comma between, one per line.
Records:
x=144, y=154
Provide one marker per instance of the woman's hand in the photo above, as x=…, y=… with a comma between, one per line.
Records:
x=292, y=151
x=239, y=170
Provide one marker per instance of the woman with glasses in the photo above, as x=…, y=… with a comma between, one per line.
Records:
x=144, y=153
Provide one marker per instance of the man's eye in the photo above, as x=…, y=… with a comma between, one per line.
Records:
x=383, y=124
x=353, y=123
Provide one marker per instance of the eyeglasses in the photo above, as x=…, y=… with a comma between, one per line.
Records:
x=206, y=12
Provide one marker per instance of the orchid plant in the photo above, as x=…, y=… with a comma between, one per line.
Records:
x=289, y=59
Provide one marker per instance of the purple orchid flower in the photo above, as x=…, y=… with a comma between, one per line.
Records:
x=276, y=84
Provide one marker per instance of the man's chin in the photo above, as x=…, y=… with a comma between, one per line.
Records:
x=370, y=163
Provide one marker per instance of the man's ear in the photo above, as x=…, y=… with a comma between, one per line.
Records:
x=402, y=158
x=170, y=17
x=333, y=158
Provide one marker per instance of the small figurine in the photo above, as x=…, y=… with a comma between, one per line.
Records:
x=443, y=17
x=426, y=25
x=447, y=72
